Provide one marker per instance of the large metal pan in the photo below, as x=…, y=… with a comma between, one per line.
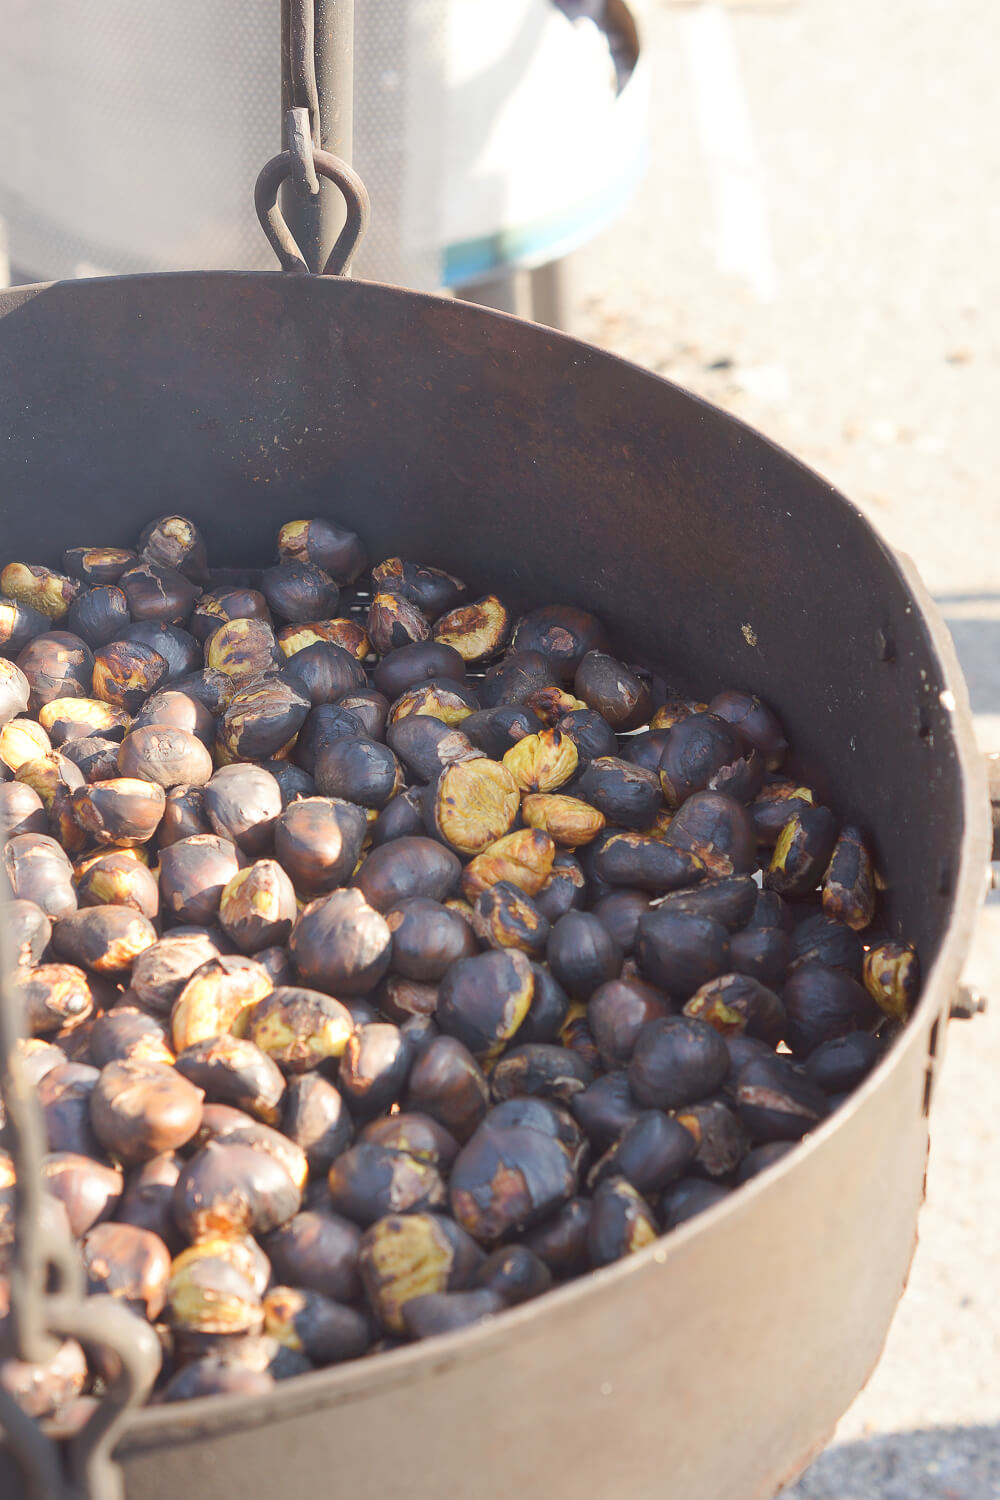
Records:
x=712, y=1365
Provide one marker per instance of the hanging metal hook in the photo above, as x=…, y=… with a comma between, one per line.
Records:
x=280, y=237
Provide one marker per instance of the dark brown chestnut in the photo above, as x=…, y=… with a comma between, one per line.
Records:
x=562, y=634
x=432, y=590
x=681, y=953
x=726, y=899
x=147, y=1199
x=617, y=1011
x=258, y=907
x=54, y=996
x=64, y=1096
x=483, y=1000
x=19, y=624
x=140, y=1109
x=218, y=606
x=55, y=665
x=122, y=810
x=706, y=753
x=368, y=1181
x=169, y=757
x=644, y=863
x=127, y=1033
x=560, y=1242
x=125, y=673
x=162, y=970
x=613, y=690
x=341, y=944
x=582, y=954
x=262, y=718
x=777, y=1102
x=358, y=770
x=504, y=917
x=621, y=1222
x=184, y=816
x=394, y=621
x=99, y=615
x=327, y=672
x=842, y=1064
x=427, y=938
x=409, y=867
x=158, y=593
x=318, y=1250
x=374, y=1068
x=97, y=758
x=676, y=1061
x=773, y=806
x=316, y=1117
x=822, y=1004
x=407, y=1256
x=325, y=1331
x=299, y=591
x=193, y=874
x=39, y=870
x=802, y=852
x=448, y=1084
x=29, y=932
x=755, y=721
x=690, y=1196
x=175, y=542
x=506, y=1179
x=318, y=842
x=232, y=1070
x=717, y=830
x=325, y=544
x=88, y=1190
x=736, y=1002
x=849, y=881
x=21, y=811
x=233, y=1189
x=542, y=1071
x=105, y=939
x=627, y=795
x=96, y=565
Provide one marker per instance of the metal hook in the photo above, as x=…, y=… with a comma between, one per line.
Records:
x=280, y=237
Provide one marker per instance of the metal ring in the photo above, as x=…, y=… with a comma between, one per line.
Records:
x=280, y=237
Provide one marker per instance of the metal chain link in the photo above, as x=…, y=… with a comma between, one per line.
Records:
x=304, y=162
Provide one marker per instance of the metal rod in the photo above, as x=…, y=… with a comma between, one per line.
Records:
x=317, y=220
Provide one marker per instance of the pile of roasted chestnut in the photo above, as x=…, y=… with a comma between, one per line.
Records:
x=386, y=959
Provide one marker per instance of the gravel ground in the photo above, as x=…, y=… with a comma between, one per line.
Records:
x=817, y=248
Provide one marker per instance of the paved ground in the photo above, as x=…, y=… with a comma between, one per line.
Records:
x=817, y=248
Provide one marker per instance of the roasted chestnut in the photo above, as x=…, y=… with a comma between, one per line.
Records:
x=184, y=816
x=621, y=1222
x=340, y=632
x=654, y=1150
x=617, y=1012
x=299, y=591
x=318, y=1250
x=849, y=882
x=257, y=908
x=717, y=830
x=140, y=1109
x=38, y=870
x=504, y=917
x=325, y=1331
x=582, y=954
x=116, y=879
x=341, y=944
x=483, y=1000
x=54, y=665
x=407, y=1256
x=676, y=1061
x=87, y=1190
x=505, y=1179
x=316, y=1118
x=625, y=794
x=218, y=606
x=232, y=1070
x=158, y=593
x=776, y=1102
x=262, y=718
x=21, y=811
x=562, y=634
x=122, y=810
x=476, y=631
x=394, y=621
x=755, y=721
x=358, y=770
x=409, y=867
x=175, y=542
x=81, y=718
x=193, y=874
x=317, y=841
x=705, y=753
x=690, y=1196
x=105, y=939
x=842, y=1064
x=802, y=852
x=892, y=978
x=560, y=1242
x=162, y=970
x=442, y=698
x=233, y=1189
x=125, y=673
x=644, y=863
x=326, y=545
x=431, y=589
x=300, y=1028
x=613, y=690
x=427, y=938
x=447, y=1083
x=19, y=624
x=126, y=1033
x=822, y=1004
x=373, y=1069
x=218, y=997
x=541, y=1071
x=40, y=588
x=368, y=1181
x=327, y=672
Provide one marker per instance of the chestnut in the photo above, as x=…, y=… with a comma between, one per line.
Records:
x=582, y=954
x=141, y=1109
x=234, y=1127
x=892, y=978
x=193, y=874
x=257, y=908
x=551, y=704
x=403, y=1000
x=772, y=807
x=476, y=631
x=217, y=606
x=125, y=673
x=621, y=1222
x=416, y=1134
x=755, y=721
x=319, y=1251
x=64, y=1096
x=316, y=1117
x=19, y=624
x=705, y=753
x=21, y=740
x=523, y=859
x=617, y=1012
x=605, y=1108
x=162, y=970
x=184, y=816
x=326, y=545
x=21, y=810
x=625, y=794
x=726, y=899
x=232, y=1070
x=327, y=672
x=86, y=1189
x=842, y=1064
x=542, y=1071
x=409, y=666
x=736, y=1002
x=426, y=745
x=613, y=690
x=445, y=1312
x=565, y=888
x=368, y=1181
x=299, y=591
x=822, y=1004
x=341, y=944
x=681, y=953
x=504, y=917
x=542, y=762
x=358, y=770
x=506, y=1179
x=409, y=867
x=513, y=679
x=646, y=749
x=762, y=952
x=262, y=719
x=591, y=734
x=28, y=931
x=53, y=997
x=179, y=648
x=720, y=1137
x=122, y=810
x=515, y=1274
x=644, y=863
x=568, y=821
x=38, y=870
x=327, y=1332
x=41, y=588
x=218, y=997
x=447, y=1083
x=483, y=1000
x=126, y=1033
x=169, y=757
x=560, y=1241
x=324, y=725
x=373, y=1069
x=318, y=841
x=408, y=1256
x=116, y=879
x=393, y=622
x=676, y=1061
x=44, y=1389
x=97, y=758
x=562, y=634
x=759, y=1158
x=175, y=542
x=343, y=632
x=158, y=593
x=849, y=882
x=620, y=912
x=233, y=1189
x=54, y=665
x=802, y=852
x=777, y=1102
x=99, y=615
x=688, y=1197
x=548, y=1009
x=213, y=690
x=96, y=565
x=654, y=1150
x=105, y=939
x=300, y=1028
x=81, y=718
x=427, y=938
x=243, y=803
x=495, y=730
x=432, y=590
x=441, y=698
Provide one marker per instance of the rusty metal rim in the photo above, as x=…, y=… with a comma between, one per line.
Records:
x=155, y=1426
